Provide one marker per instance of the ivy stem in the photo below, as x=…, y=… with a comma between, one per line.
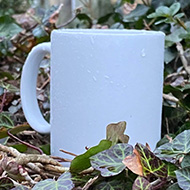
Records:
x=146, y=3
x=25, y=143
x=181, y=23
x=77, y=11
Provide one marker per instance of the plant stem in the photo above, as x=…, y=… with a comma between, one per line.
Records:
x=146, y=3
x=77, y=11
x=66, y=152
x=25, y=143
x=181, y=23
x=184, y=61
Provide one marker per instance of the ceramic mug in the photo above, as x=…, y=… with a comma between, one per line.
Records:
x=98, y=77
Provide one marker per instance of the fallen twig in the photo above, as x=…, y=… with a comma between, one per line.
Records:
x=170, y=98
x=89, y=183
x=61, y=159
x=29, y=167
x=77, y=11
x=182, y=57
x=66, y=152
x=25, y=143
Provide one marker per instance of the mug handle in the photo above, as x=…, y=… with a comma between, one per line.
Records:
x=28, y=88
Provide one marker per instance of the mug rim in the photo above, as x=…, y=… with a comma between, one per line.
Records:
x=130, y=32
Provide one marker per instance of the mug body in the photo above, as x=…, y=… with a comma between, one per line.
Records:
x=100, y=77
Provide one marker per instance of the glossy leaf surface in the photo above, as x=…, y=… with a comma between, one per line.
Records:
x=141, y=184
x=63, y=182
x=109, y=162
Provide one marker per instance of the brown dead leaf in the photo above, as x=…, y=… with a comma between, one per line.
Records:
x=115, y=133
x=133, y=163
x=147, y=146
x=14, y=130
x=53, y=18
x=128, y=7
x=25, y=20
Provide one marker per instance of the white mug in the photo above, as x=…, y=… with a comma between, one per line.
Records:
x=98, y=77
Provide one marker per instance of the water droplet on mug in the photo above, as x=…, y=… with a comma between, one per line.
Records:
x=94, y=78
x=107, y=77
x=92, y=40
x=111, y=82
x=88, y=71
x=143, y=54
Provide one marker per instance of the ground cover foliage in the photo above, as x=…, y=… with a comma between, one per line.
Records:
x=113, y=163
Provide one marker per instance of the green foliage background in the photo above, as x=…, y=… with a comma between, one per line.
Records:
x=19, y=34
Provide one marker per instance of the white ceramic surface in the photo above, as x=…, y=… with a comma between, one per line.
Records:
x=97, y=77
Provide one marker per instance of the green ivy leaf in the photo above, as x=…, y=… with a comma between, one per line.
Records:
x=175, y=186
x=8, y=27
x=161, y=11
x=105, y=18
x=152, y=165
x=181, y=142
x=6, y=74
x=112, y=184
x=6, y=121
x=166, y=20
x=174, y=8
x=13, y=130
x=9, y=87
x=20, y=147
x=168, y=15
x=179, y=15
x=186, y=161
x=166, y=152
x=185, y=36
x=169, y=55
x=109, y=162
x=141, y=184
x=177, y=148
x=82, y=162
x=20, y=187
x=6, y=183
x=171, y=169
x=176, y=91
x=134, y=15
x=117, y=25
x=82, y=16
x=63, y=182
x=46, y=148
x=176, y=36
x=164, y=140
x=183, y=178
x=39, y=32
